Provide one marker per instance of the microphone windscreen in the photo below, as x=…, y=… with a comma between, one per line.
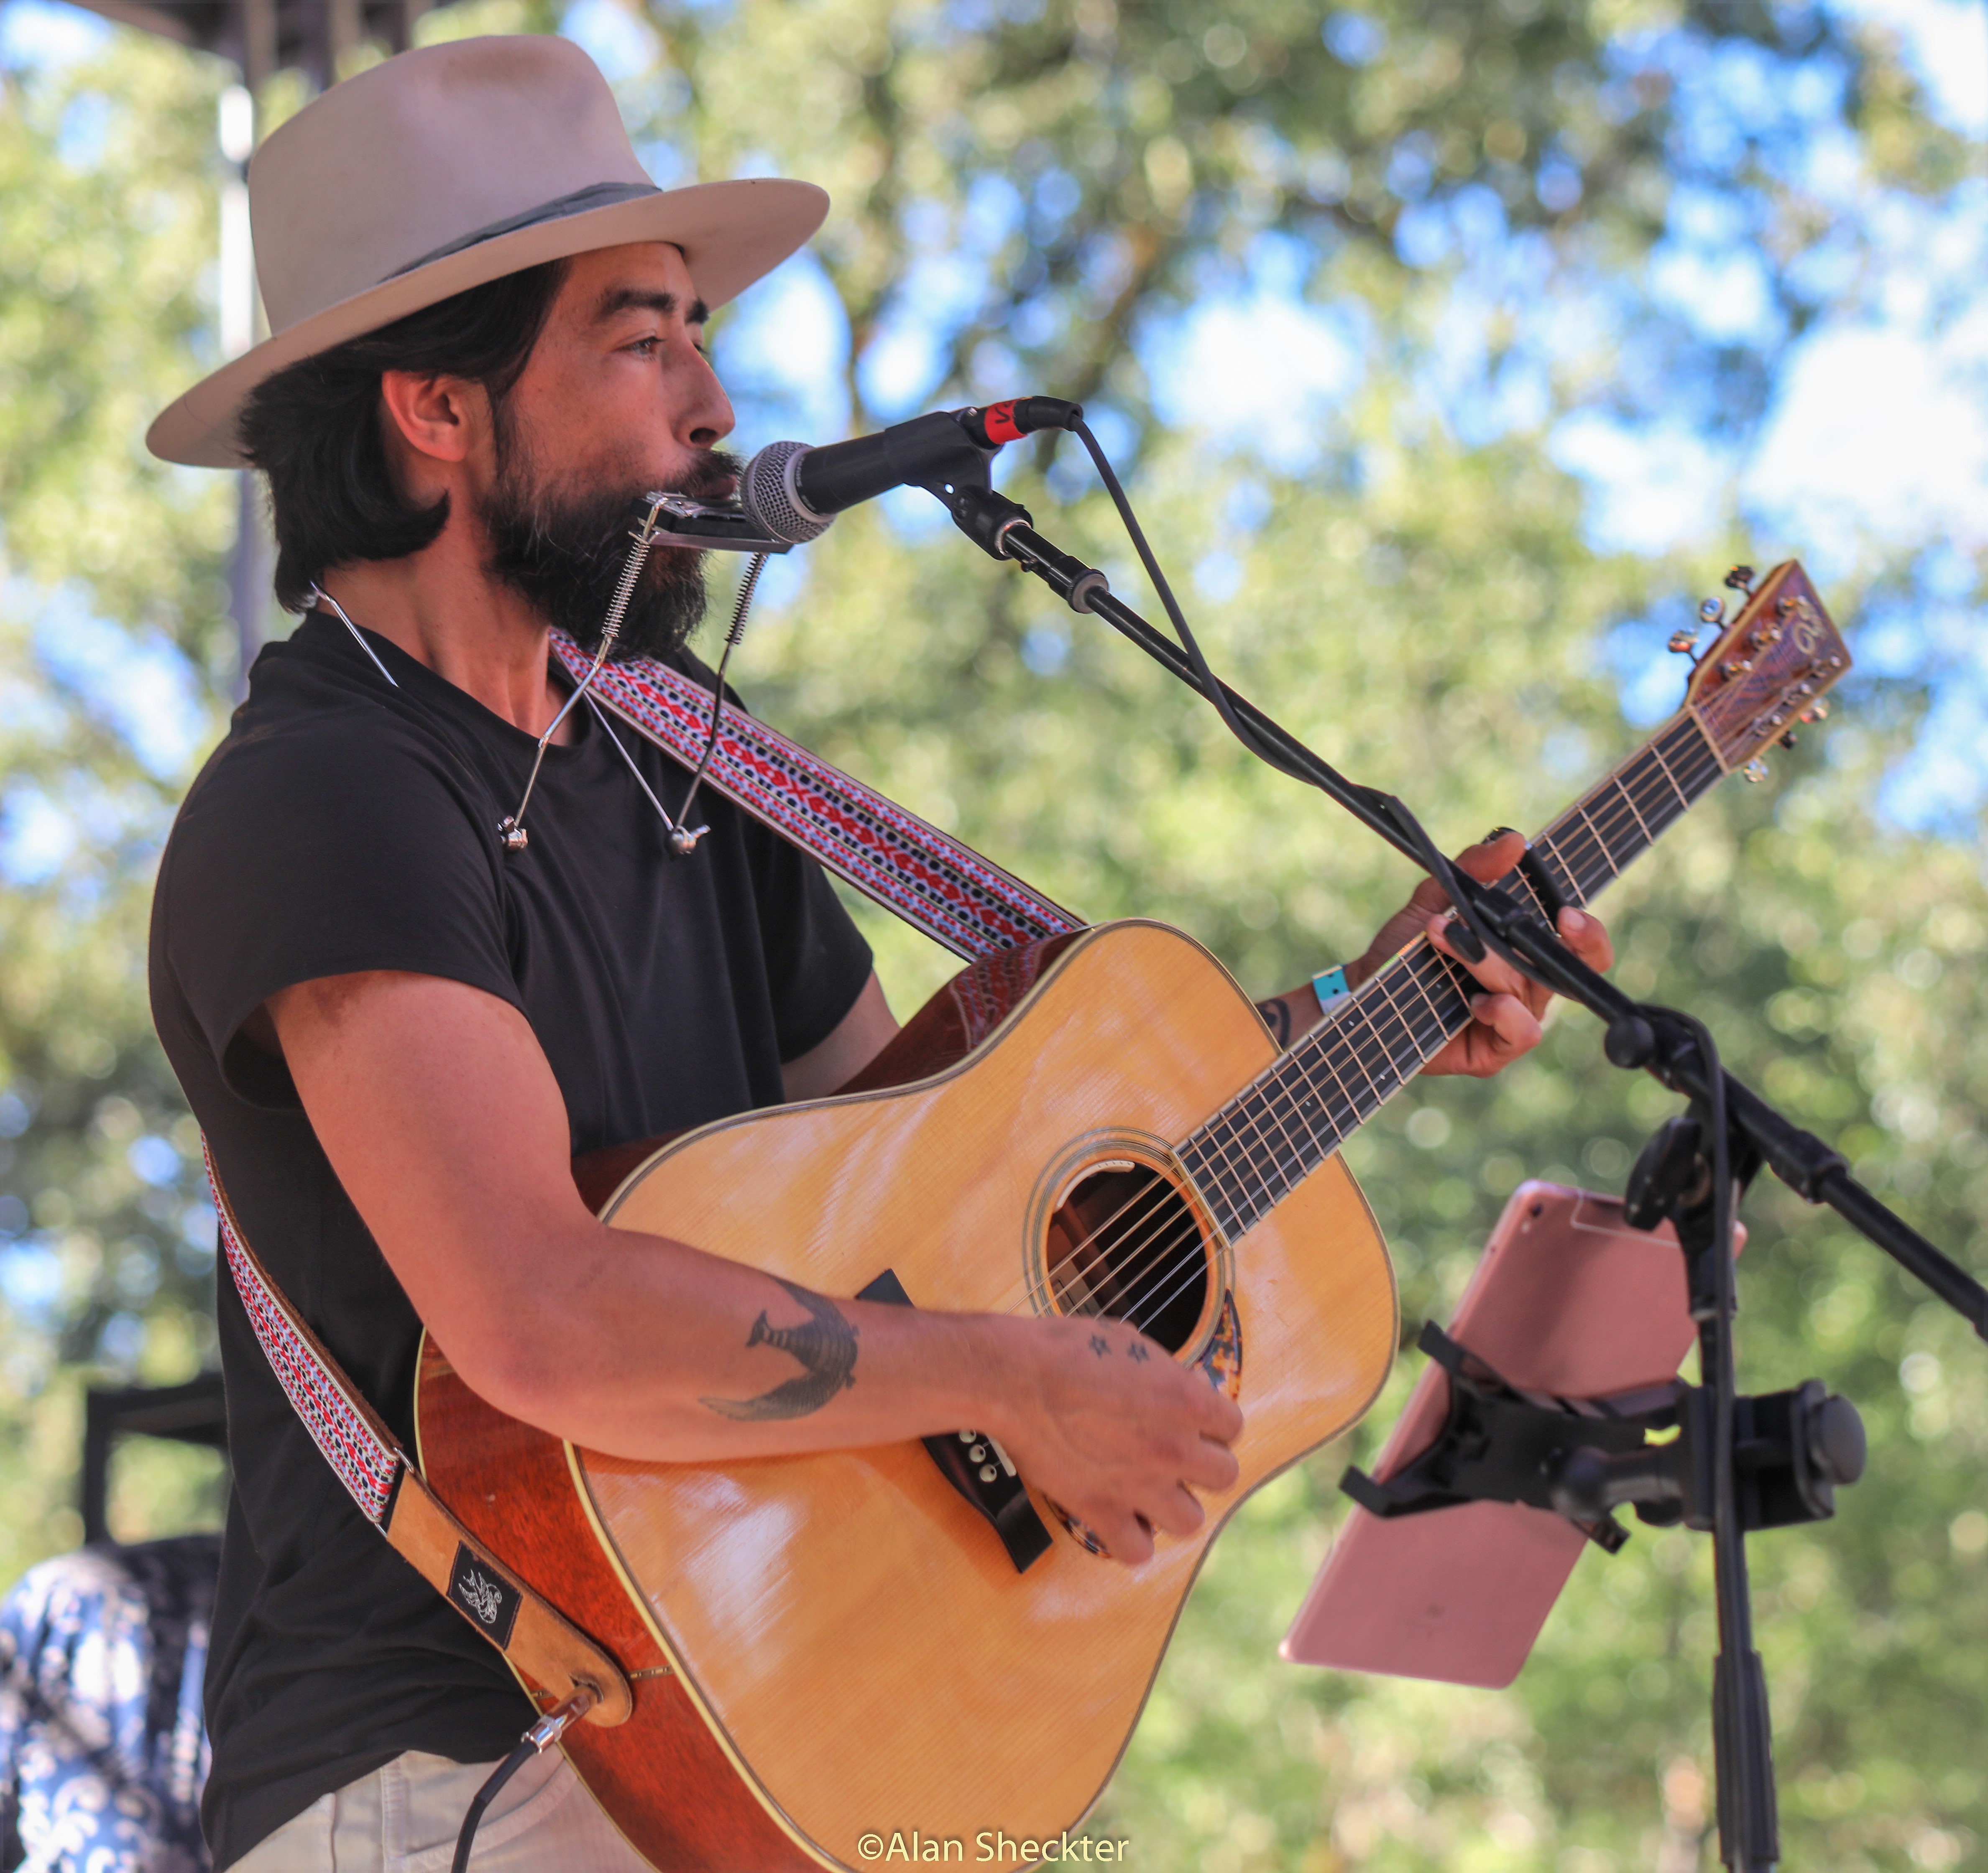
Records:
x=767, y=492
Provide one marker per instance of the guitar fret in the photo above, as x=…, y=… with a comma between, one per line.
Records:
x=1401, y=1071
x=1264, y=1143
x=1657, y=755
x=1650, y=796
x=1428, y=999
x=1532, y=891
x=1570, y=886
x=1342, y=1128
x=1629, y=800
x=1569, y=864
x=1663, y=800
x=1304, y=1148
x=1352, y=1053
x=1601, y=845
x=1210, y=1167
x=1376, y=1064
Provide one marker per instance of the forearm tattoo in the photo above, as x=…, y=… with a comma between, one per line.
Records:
x=825, y=1347
x=1278, y=1016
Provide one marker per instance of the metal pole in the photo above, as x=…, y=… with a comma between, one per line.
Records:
x=249, y=569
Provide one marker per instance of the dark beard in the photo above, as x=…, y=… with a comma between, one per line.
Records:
x=564, y=554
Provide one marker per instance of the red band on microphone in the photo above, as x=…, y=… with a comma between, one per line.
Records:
x=999, y=420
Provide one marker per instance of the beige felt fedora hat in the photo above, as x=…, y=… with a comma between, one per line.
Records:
x=443, y=168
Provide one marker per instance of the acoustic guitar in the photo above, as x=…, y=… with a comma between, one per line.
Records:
x=908, y=1642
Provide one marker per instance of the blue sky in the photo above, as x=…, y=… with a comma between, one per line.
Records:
x=1870, y=456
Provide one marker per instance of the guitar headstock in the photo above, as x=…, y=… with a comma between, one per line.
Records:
x=1768, y=669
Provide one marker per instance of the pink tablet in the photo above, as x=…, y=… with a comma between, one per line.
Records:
x=1568, y=1299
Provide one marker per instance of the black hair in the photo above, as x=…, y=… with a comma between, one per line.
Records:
x=315, y=430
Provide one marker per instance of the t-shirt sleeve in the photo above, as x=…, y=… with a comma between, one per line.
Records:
x=324, y=851
x=816, y=959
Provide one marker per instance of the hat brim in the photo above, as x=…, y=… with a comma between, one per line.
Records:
x=731, y=233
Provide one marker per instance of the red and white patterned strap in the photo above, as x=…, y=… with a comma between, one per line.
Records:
x=360, y=1449
x=908, y=865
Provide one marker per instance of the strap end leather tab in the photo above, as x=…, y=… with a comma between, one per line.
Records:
x=546, y=1646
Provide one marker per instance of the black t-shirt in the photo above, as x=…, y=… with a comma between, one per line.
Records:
x=342, y=825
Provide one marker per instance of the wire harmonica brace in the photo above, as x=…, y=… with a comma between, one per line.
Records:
x=511, y=828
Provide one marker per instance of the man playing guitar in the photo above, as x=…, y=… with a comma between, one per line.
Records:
x=396, y=1034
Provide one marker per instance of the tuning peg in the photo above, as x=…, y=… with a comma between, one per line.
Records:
x=1817, y=711
x=1712, y=611
x=1741, y=579
x=1684, y=642
x=1755, y=770
x=1788, y=740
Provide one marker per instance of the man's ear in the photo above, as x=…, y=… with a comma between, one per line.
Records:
x=442, y=418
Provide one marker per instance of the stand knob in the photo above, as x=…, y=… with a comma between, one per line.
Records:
x=1630, y=1042
x=1836, y=1442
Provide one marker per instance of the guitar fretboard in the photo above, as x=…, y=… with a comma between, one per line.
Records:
x=1292, y=1117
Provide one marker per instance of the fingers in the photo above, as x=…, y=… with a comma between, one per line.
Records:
x=1128, y=1539
x=1210, y=1466
x=1494, y=972
x=1495, y=854
x=1221, y=1417
x=1507, y=1027
x=1489, y=859
x=1178, y=1512
x=1587, y=937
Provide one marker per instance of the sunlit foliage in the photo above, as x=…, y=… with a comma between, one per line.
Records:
x=1029, y=195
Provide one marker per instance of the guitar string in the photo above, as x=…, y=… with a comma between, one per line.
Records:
x=1123, y=1269
x=1636, y=774
x=1400, y=1062
x=1125, y=1273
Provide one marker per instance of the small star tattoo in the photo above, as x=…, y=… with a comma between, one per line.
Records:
x=1100, y=1345
x=1136, y=1350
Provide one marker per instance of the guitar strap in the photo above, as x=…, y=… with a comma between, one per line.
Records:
x=927, y=877
x=936, y=884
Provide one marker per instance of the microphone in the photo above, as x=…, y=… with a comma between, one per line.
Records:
x=791, y=491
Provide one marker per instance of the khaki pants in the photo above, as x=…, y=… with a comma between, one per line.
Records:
x=404, y=1817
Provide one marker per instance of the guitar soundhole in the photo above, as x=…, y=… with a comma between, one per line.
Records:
x=1124, y=1243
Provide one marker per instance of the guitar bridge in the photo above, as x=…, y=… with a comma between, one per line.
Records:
x=978, y=1467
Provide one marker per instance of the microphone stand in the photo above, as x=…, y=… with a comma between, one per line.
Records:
x=1694, y=1170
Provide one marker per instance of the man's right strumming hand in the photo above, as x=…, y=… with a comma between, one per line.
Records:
x=1105, y=1423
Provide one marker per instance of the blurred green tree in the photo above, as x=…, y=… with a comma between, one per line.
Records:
x=1033, y=192
x=112, y=647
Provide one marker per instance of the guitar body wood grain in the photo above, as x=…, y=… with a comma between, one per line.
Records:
x=852, y=1635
